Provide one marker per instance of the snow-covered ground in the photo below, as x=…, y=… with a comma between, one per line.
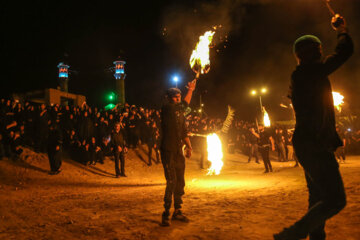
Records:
x=90, y=203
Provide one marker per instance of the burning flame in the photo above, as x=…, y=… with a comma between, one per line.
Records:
x=215, y=154
x=267, y=122
x=338, y=100
x=199, y=60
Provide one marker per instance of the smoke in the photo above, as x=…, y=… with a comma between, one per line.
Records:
x=259, y=48
x=182, y=25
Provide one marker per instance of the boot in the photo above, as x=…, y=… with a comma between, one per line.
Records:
x=165, y=221
x=178, y=215
x=289, y=234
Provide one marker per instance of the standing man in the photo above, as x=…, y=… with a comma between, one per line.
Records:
x=254, y=147
x=119, y=149
x=54, y=149
x=265, y=141
x=315, y=138
x=174, y=137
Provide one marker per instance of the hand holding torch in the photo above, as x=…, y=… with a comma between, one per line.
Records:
x=337, y=21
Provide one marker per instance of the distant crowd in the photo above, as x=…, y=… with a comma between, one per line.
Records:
x=85, y=132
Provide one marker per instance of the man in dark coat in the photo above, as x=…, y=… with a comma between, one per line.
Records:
x=315, y=138
x=54, y=149
x=174, y=137
x=42, y=121
x=119, y=148
x=265, y=142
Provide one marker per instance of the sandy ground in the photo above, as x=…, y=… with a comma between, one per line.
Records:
x=90, y=203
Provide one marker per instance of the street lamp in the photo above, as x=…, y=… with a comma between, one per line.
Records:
x=262, y=91
x=175, y=79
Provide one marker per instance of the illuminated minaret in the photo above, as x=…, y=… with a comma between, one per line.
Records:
x=63, y=76
x=120, y=81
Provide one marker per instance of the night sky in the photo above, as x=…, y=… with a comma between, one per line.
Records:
x=156, y=39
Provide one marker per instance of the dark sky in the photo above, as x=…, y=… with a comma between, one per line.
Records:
x=156, y=38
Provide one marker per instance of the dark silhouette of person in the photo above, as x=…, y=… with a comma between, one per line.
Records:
x=119, y=148
x=315, y=138
x=54, y=148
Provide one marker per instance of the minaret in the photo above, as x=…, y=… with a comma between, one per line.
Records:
x=120, y=81
x=63, y=76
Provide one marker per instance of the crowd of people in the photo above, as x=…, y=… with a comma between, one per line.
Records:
x=86, y=134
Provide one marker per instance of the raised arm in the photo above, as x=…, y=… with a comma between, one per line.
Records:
x=191, y=87
x=344, y=48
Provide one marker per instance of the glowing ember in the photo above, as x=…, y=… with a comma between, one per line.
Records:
x=338, y=100
x=199, y=60
x=267, y=122
x=215, y=154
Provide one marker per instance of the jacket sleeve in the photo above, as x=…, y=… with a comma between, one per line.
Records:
x=344, y=49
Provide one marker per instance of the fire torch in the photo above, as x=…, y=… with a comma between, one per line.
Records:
x=338, y=19
x=200, y=60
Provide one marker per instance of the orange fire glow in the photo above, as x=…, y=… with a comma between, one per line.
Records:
x=200, y=60
x=215, y=154
x=338, y=100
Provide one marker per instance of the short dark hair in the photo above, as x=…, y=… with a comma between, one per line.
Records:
x=171, y=92
x=307, y=48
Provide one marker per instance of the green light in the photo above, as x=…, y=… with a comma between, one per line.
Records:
x=110, y=106
x=111, y=96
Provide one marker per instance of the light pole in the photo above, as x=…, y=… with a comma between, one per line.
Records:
x=259, y=93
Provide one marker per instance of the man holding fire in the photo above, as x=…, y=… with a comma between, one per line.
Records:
x=174, y=135
x=315, y=138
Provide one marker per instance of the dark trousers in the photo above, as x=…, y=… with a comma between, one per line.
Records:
x=41, y=141
x=174, y=169
x=264, y=151
x=119, y=158
x=281, y=152
x=100, y=156
x=150, y=148
x=340, y=153
x=54, y=159
x=253, y=152
x=326, y=189
x=2, y=150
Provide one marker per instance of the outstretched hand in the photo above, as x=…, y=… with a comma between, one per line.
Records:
x=191, y=85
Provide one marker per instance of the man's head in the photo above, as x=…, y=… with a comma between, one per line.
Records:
x=307, y=49
x=174, y=95
x=117, y=127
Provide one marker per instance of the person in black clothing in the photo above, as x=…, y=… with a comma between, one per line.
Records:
x=94, y=152
x=280, y=144
x=315, y=138
x=42, y=128
x=2, y=149
x=265, y=141
x=86, y=127
x=254, y=147
x=174, y=137
x=16, y=142
x=73, y=145
x=119, y=148
x=150, y=138
x=54, y=149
